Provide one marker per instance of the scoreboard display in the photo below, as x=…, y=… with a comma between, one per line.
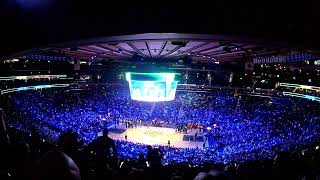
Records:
x=152, y=87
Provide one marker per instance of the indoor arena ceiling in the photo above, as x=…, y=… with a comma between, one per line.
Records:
x=166, y=45
x=30, y=24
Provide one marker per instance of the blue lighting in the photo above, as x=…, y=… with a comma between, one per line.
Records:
x=298, y=95
x=256, y=131
x=33, y=4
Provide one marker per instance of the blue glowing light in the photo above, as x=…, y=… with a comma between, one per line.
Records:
x=34, y=4
x=313, y=98
x=5, y=91
x=249, y=135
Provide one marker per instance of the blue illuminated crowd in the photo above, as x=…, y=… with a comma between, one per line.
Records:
x=242, y=127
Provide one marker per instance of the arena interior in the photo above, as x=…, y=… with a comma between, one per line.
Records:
x=183, y=105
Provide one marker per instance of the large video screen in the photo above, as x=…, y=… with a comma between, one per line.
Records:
x=152, y=87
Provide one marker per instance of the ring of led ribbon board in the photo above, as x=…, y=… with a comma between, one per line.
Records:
x=5, y=91
x=33, y=77
x=298, y=95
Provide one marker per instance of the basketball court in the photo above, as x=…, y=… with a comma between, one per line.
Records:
x=156, y=136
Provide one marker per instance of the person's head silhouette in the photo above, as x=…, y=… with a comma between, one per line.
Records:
x=149, y=148
x=105, y=132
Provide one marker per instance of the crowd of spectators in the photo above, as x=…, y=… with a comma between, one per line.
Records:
x=239, y=128
x=53, y=135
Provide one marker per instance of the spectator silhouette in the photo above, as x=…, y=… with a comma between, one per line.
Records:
x=105, y=154
x=142, y=161
x=69, y=144
x=154, y=156
x=34, y=142
x=56, y=165
x=23, y=164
